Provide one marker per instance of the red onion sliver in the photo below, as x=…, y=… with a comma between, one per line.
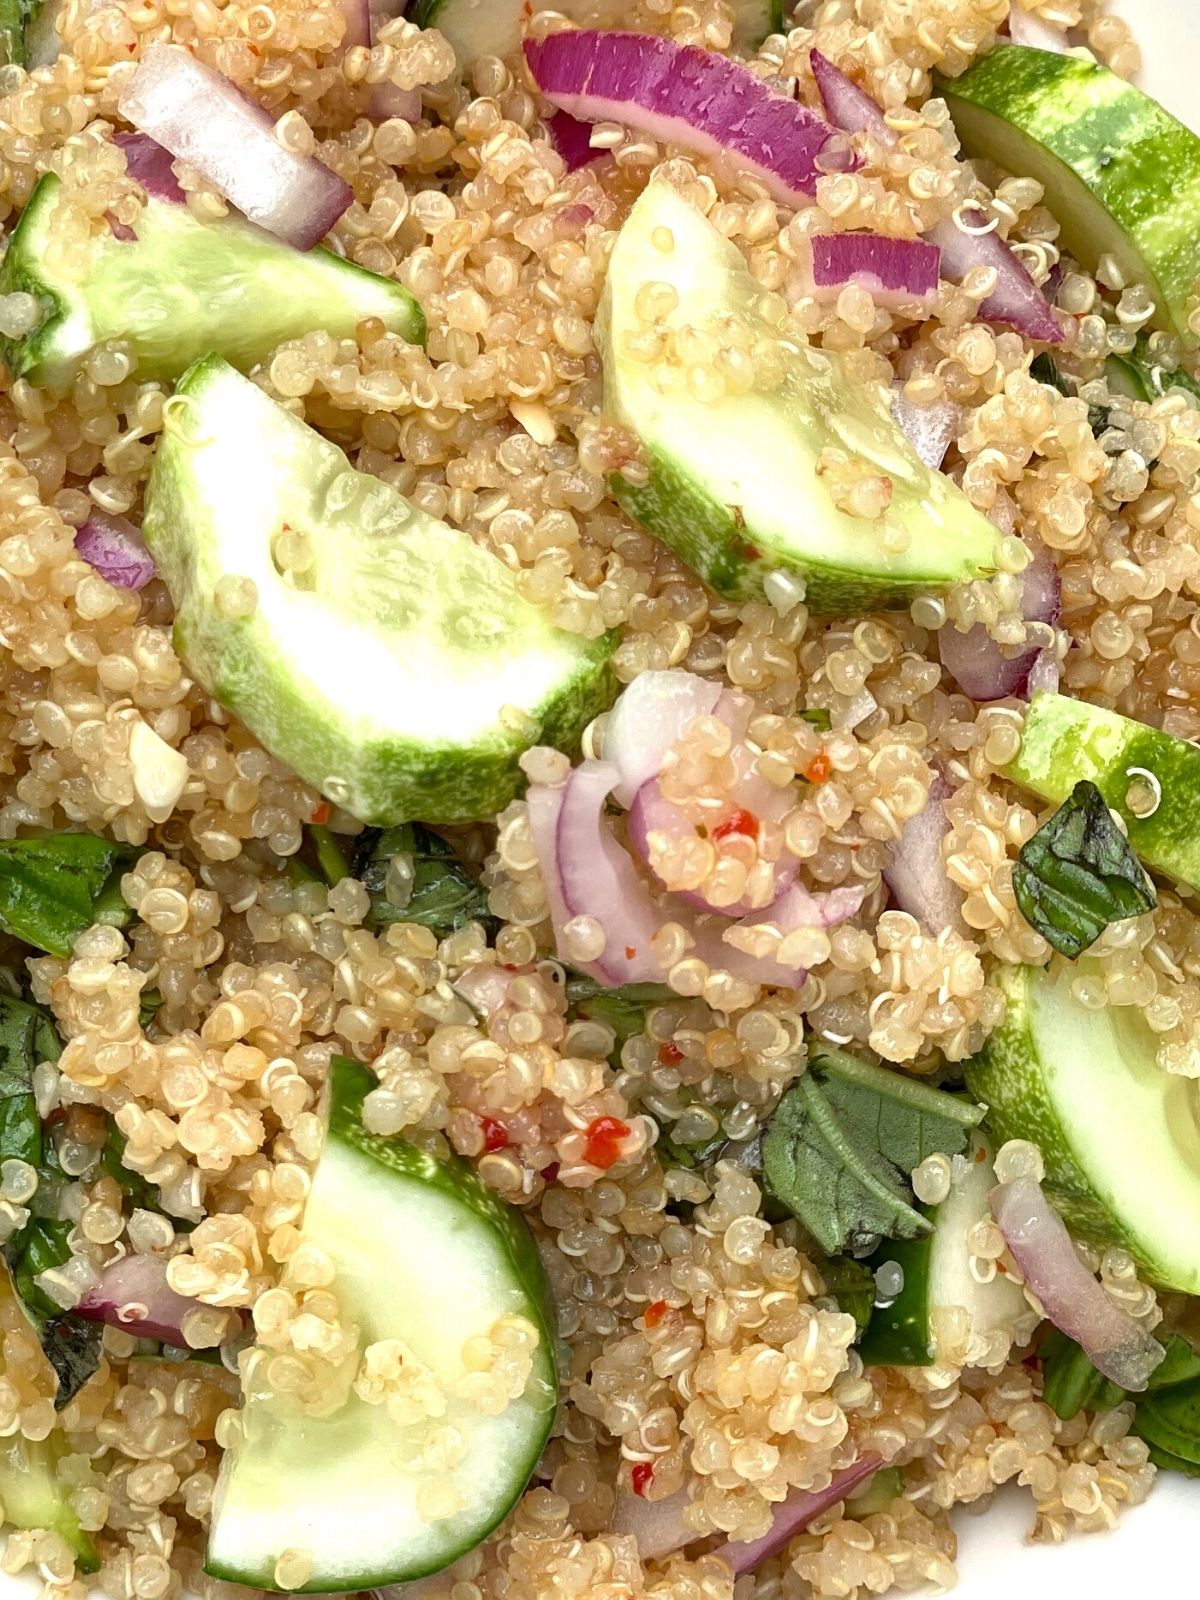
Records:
x=656, y=1525
x=1016, y=300
x=683, y=95
x=133, y=1295
x=1072, y=1299
x=358, y=24
x=931, y=430
x=115, y=548
x=598, y=879
x=203, y=119
x=652, y=714
x=977, y=663
x=796, y=908
x=1026, y=27
x=895, y=272
x=150, y=165
x=916, y=872
x=1045, y=674
x=572, y=139
x=800, y=1508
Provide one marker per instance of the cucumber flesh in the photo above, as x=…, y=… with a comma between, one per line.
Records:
x=911, y=1330
x=1120, y=1138
x=1121, y=175
x=736, y=486
x=423, y=1253
x=401, y=672
x=33, y=1497
x=1065, y=740
x=182, y=289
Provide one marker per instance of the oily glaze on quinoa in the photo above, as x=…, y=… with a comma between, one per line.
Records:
x=706, y=1349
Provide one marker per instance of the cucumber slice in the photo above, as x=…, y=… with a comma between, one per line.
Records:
x=33, y=1497
x=1121, y=176
x=1120, y=1138
x=493, y=27
x=401, y=671
x=426, y=1254
x=1065, y=740
x=735, y=486
x=910, y=1332
x=183, y=288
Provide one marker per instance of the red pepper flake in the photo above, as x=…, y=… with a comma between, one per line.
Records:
x=321, y=814
x=655, y=1313
x=640, y=1477
x=550, y=1172
x=630, y=952
x=751, y=552
x=818, y=769
x=670, y=1054
x=495, y=1134
x=740, y=822
x=604, y=1136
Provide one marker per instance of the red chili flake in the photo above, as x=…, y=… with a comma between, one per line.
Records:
x=818, y=769
x=550, y=1172
x=655, y=1313
x=630, y=952
x=640, y=1477
x=670, y=1054
x=604, y=1136
x=321, y=814
x=740, y=822
x=752, y=552
x=495, y=1134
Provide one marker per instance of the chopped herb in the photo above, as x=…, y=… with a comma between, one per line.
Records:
x=1078, y=874
x=852, y=1285
x=1045, y=369
x=1166, y=1415
x=819, y=718
x=112, y=1163
x=444, y=896
x=71, y=1344
x=54, y=887
x=331, y=858
x=27, y=1036
x=877, y=1493
x=842, y=1142
x=1071, y=1383
x=623, y=1009
x=148, y=1007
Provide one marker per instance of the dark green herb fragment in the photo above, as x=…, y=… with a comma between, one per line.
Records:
x=819, y=718
x=843, y=1141
x=1166, y=1415
x=445, y=896
x=71, y=1344
x=852, y=1285
x=27, y=1036
x=1071, y=1383
x=332, y=860
x=623, y=1009
x=1045, y=369
x=1078, y=874
x=137, y=1188
x=877, y=1493
x=148, y=1007
x=52, y=888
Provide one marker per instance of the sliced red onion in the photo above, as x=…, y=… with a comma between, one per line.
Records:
x=978, y=664
x=656, y=1525
x=598, y=879
x=572, y=139
x=653, y=714
x=931, y=430
x=691, y=97
x=800, y=1508
x=1026, y=27
x=133, y=1295
x=116, y=549
x=896, y=272
x=203, y=119
x=797, y=908
x=1044, y=675
x=385, y=100
x=1071, y=1297
x=916, y=872
x=150, y=165
x=358, y=24
x=1016, y=300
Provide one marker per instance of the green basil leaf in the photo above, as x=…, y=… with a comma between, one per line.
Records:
x=27, y=1036
x=71, y=1344
x=52, y=888
x=1045, y=370
x=1078, y=874
x=841, y=1145
x=445, y=896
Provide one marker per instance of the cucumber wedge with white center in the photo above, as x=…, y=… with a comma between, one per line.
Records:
x=383, y=655
x=1121, y=176
x=1066, y=740
x=425, y=1254
x=33, y=1496
x=180, y=290
x=912, y=1330
x=741, y=487
x=1120, y=1137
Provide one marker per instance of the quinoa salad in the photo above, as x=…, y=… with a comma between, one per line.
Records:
x=599, y=698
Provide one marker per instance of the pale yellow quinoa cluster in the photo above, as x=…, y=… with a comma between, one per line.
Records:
x=742, y=1382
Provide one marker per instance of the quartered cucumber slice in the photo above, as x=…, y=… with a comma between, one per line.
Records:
x=33, y=1497
x=752, y=483
x=181, y=289
x=1066, y=740
x=380, y=653
x=1121, y=176
x=425, y=1254
x=1120, y=1138
x=911, y=1331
